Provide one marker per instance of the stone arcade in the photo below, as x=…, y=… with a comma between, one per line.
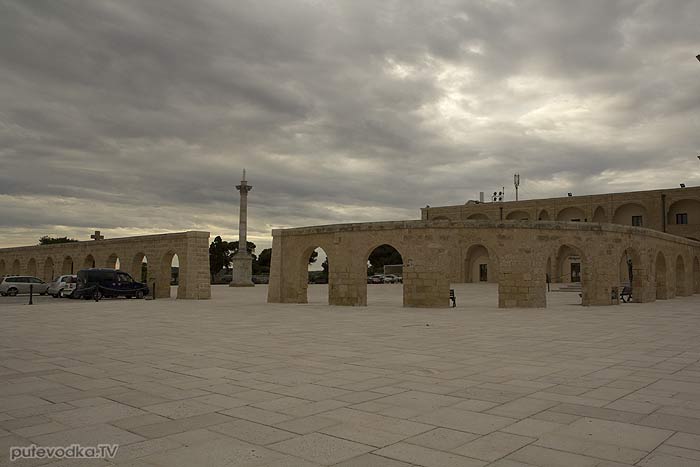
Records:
x=191, y=248
x=521, y=254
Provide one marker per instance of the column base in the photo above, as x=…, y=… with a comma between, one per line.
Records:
x=242, y=264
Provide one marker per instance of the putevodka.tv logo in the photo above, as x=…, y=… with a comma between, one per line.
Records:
x=74, y=451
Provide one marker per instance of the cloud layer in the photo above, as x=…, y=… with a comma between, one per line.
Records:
x=136, y=117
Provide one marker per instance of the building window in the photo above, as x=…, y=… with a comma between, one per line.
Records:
x=682, y=218
x=575, y=220
x=637, y=221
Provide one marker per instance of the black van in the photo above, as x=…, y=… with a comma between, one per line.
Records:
x=102, y=282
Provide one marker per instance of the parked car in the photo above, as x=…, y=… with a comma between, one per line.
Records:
x=376, y=279
x=102, y=282
x=391, y=279
x=13, y=285
x=63, y=286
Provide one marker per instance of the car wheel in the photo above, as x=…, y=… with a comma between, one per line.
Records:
x=139, y=294
x=60, y=294
x=12, y=292
x=97, y=295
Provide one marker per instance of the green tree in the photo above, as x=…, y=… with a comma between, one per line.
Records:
x=313, y=257
x=381, y=256
x=262, y=265
x=47, y=240
x=234, y=247
x=220, y=253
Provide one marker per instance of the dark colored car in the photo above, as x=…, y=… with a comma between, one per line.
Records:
x=101, y=282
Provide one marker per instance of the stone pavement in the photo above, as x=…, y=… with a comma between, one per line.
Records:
x=237, y=382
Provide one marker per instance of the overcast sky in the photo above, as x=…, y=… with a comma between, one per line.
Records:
x=135, y=117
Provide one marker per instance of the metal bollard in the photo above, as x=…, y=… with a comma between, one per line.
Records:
x=31, y=294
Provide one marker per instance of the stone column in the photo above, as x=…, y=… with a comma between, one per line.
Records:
x=242, y=261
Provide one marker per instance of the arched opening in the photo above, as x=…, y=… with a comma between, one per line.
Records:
x=631, y=272
x=569, y=269
x=544, y=215
x=599, y=215
x=317, y=275
x=49, y=270
x=3, y=267
x=385, y=274
x=684, y=212
x=31, y=267
x=571, y=214
x=16, y=268
x=696, y=275
x=478, y=266
x=113, y=262
x=517, y=216
x=67, y=266
x=167, y=280
x=139, y=268
x=89, y=262
x=479, y=216
x=680, y=277
x=631, y=214
x=661, y=277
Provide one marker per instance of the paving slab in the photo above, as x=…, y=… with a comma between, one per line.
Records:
x=603, y=386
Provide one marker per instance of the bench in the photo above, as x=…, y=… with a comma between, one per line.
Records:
x=626, y=292
x=452, y=298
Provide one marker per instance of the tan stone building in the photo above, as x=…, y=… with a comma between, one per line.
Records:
x=646, y=240
x=191, y=248
x=675, y=211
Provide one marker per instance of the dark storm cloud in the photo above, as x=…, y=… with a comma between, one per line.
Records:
x=134, y=117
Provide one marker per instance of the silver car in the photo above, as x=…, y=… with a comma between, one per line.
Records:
x=13, y=285
x=63, y=286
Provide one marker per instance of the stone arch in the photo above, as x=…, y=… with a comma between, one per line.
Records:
x=479, y=265
x=303, y=271
x=689, y=207
x=518, y=216
x=544, y=215
x=165, y=272
x=48, y=269
x=571, y=266
x=680, y=277
x=89, y=261
x=478, y=216
x=566, y=256
x=67, y=267
x=16, y=268
x=571, y=214
x=388, y=247
x=136, y=269
x=599, y=215
x=661, y=276
x=2, y=267
x=32, y=268
x=112, y=261
x=625, y=214
x=696, y=275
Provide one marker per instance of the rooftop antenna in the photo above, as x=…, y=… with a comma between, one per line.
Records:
x=516, y=182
